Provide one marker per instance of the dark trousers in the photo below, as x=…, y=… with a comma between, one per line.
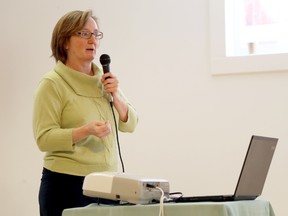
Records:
x=60, y=191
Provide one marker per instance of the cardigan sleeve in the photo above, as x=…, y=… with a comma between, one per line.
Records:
x=132, y=121
x=46, y=119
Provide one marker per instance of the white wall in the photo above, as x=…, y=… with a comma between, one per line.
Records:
x=194, y=128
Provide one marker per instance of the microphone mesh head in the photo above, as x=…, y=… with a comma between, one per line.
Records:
x=105, y=59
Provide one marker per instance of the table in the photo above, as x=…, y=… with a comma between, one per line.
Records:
x=235, y=208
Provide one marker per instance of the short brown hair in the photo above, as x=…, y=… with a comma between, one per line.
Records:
x=68, y=24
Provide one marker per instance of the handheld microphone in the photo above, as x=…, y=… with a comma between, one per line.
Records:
x=105, y=62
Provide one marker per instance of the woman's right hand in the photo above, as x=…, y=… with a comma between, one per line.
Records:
x=99, y=129
x=95, y=128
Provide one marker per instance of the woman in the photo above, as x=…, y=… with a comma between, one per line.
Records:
x=72, y=120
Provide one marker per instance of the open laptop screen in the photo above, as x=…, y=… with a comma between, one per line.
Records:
x=256, y=166
x=252, y=176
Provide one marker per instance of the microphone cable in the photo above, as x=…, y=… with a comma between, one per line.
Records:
x=105, y=62
x=117, y=137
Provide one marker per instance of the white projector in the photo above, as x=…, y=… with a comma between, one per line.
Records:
x=125, y=187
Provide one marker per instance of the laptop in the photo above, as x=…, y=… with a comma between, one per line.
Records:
x=252, y=176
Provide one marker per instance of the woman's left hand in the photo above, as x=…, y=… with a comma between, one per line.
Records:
x=110, y=83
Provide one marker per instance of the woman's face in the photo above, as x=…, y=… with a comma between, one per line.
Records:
x=81, y=49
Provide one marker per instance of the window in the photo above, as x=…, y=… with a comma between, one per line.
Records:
x=248, y=36
x=256, y=27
